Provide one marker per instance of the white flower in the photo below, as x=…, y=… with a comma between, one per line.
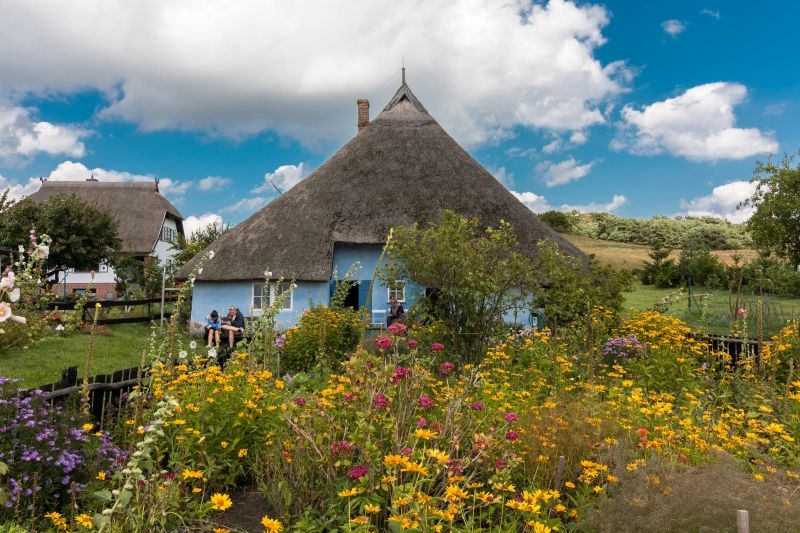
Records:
x=7, y=282
x=60, y=327
x=14, y=295
x=19, y=319
x=193, y=345
x=41, y=252
x=5, y=312
x=211, y=254
x=21, y=249
x=212, y=353
x=182, y=354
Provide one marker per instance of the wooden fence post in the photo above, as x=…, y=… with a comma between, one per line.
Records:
x=742, y=521
x=559, y=473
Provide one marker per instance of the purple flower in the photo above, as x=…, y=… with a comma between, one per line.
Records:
x=421, y=423
x=280, y=341
x=476, y=406
x=511, y=417
x=512, y=435
x=411, y=344
x=500, y=464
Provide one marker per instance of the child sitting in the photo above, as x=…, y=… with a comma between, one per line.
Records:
x=213, y=328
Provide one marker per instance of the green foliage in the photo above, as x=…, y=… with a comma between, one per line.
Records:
x=324, y=336
x=679, y=232
x=476, y=275
x=189, y=247
x=83, y=234
x=570, y=290
x=775, y=224
x=558, y=220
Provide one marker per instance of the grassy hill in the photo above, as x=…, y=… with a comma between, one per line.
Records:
x=631, y=256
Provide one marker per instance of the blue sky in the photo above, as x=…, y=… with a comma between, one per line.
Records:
x=634, y=108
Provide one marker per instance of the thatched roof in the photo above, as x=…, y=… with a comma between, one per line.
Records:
x=139, y=208
x=401, y=168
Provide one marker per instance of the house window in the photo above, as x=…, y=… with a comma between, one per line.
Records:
x=265, y=294
x=397, y=290
x=169, y=234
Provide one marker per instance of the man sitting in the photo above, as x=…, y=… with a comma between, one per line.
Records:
x=233, y=324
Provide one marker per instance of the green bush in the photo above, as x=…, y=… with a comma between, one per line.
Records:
x=323, y=336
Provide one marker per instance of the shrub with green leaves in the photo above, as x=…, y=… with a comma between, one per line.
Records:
x=324, y=336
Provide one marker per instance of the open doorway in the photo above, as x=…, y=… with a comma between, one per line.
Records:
x=351, y=300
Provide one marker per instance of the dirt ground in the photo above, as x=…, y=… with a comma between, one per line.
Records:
x=246, y=513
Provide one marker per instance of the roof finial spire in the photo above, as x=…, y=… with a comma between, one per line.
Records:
x=403, y=60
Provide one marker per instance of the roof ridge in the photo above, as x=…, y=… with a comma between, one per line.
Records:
x=405, y=92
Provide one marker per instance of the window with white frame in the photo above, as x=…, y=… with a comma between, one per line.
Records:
x=265, y=294
x=169, y=234
x=397, y=290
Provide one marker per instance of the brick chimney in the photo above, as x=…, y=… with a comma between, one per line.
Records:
x=363, y=112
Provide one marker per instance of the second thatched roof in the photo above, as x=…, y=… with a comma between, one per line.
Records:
x=401, y=168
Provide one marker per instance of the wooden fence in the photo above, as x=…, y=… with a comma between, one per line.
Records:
x=144, y=310
x=105, y=390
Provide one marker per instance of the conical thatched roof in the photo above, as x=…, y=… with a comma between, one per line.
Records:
x=401, y=168
x=138, y=207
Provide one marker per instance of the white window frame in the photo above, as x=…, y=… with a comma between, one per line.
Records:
x=274, y=289
x=400, y=293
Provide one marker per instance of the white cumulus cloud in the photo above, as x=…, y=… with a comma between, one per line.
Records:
x=539, y=204
x=563, y=172
x=193, y=223
x=22, y=137
x=212, y=182
x=722, y=202
x=282, y=179
x=238, y=68
x=673, y=27
x=698, y=125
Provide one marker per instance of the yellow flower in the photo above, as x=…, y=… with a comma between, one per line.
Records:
x=84, y=520
x=425, y=434
x=188, y=474
x=360, y=520
x=220, y=502
x=454, y=493
x=438, y=455
x=87, y=426
x=395, y=460
x=224, y=444
x=101, y=475
x=271, y=525
x=220, y=530
x=415, y=468
x=372, y=508
x=349, y=492
x=242, y=452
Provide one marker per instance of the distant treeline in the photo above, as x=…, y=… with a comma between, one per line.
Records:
x=695, y=233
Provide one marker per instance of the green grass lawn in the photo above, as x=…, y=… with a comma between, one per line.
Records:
x=121, y=347
x=711, y=310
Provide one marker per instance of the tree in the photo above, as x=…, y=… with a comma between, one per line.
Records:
x=197, y=242
x=775, y=224
x=476, y=276
x=83, y=235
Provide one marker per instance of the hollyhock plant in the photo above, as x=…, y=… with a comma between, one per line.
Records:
x=397, y=329
x=383, y=342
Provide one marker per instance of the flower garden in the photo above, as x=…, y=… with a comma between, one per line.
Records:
x=397, y=434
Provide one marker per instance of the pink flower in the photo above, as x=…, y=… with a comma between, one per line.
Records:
x=383, y=342
x=437, y=346
x=421, y=423
x=476, y=406
x=511, y=417
x=280, y=341
x=357, y=472
x=397, y=329
x=500, y=464
x=446, y=368
x=425, y=401
x=400, y=373
x=380, y=401
x=406, y=451
x=411, y=343
x=512, y=435
x=5, y=312
x=300, y=402
x=740, y=311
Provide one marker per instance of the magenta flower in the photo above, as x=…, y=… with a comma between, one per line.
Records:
x=380, y=401
x=357, y=472
x=400, y=373
x=511, y=417
x=300, y=402
x=512, y=435
x=280, y=341
x=500, y=464
x=397, y=329
x=476, y=406
x=383, y=342
x=412, y=344
x=437, y=346
x=425, y=401
x=446, y=368
x=421, y=423
x=406, y=451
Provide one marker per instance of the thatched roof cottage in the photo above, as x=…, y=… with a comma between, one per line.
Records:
x=400, y=168
x=148, y=224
